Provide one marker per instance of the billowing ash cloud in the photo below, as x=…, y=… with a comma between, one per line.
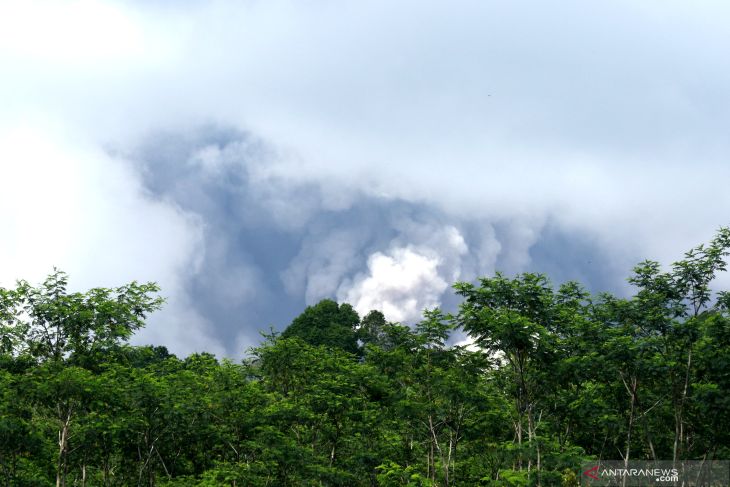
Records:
x=272, y=245
x=256, y=156
x=407, y=279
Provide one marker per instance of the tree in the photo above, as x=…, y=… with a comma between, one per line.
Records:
x=326, y=323
x=515, y=320
x=670, y=310
x=54, y=325
x=559, y=376
x=325, y=413
x=60, y=330
x=372, y=328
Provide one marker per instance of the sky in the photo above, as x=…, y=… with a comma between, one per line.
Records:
x=256, y=156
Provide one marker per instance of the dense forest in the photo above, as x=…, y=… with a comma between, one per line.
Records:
x=553, y=376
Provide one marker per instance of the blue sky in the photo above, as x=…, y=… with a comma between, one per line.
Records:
x=256, y=156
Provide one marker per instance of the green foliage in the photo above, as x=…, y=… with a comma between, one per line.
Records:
x=512, y=478
x=372, y=328
x=393, y=475
x=555, y=377
x=328, y=324
x=48, y=323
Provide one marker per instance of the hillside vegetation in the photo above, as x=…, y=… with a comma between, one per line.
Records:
x=553, y=377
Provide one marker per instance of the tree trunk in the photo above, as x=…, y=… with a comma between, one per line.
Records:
x=63, y=449
x=435, y=447
x=679, y=413
x=532, y=437
x=631, y=389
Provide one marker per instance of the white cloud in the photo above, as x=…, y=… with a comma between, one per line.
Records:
x=401, y=285
x=69, y=33
x=407, y=279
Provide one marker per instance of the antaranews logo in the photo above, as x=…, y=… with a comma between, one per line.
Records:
x=591, y=472
x=656, y=473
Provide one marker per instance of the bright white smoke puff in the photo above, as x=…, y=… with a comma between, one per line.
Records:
x=399, y=284
x=409, y=279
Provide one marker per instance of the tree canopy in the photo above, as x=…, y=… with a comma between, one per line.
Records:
x=552, y=376
x=327, y=323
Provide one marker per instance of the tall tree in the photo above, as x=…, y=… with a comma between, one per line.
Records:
x=515, y=321
x=670, y=309
x=326, y=323
x=59, y=329
x=55, y=325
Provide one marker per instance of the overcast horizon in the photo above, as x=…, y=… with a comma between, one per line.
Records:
x=255, y=157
